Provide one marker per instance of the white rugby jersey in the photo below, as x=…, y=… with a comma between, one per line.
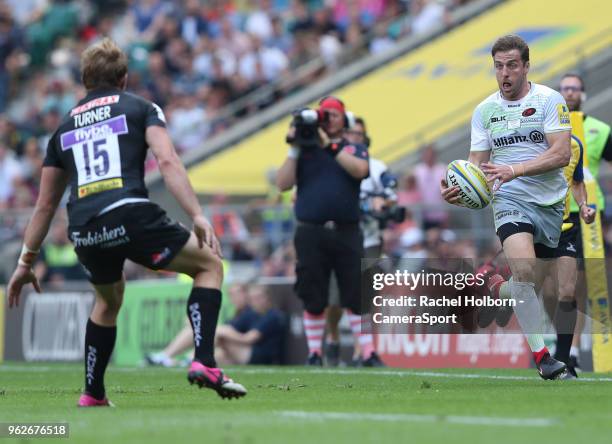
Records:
x=515, y=131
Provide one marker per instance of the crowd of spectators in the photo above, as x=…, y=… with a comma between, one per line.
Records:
x=192, y=57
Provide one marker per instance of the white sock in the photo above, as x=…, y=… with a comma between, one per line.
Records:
x=574, y=351
x=528, y=313
x=504, y=289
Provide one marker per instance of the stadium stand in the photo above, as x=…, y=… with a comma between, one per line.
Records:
x=209, y=64
x=426, y=76
x=242, y=168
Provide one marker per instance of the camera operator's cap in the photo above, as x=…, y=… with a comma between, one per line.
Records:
x=331, y=102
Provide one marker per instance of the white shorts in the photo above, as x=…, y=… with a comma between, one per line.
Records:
x=546, y=221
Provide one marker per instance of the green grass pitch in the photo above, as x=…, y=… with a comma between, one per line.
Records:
x=297, y=405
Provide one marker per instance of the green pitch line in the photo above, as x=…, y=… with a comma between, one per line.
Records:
x=296, y=405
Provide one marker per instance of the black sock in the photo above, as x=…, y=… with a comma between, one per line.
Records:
x=203, y=311
x=565, y=322
x=99, y=345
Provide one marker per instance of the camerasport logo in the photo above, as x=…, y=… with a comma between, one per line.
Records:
x=529, y=112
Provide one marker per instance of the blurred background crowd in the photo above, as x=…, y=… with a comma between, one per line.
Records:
x=199, y=60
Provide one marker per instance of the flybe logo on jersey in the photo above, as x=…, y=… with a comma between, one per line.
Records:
x=116, y=125
x=100, y=101
x=511, y=140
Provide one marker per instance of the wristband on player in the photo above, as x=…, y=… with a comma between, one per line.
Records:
x=333, y=149
x=293, y=153
x=27, y=256
x=513, y=173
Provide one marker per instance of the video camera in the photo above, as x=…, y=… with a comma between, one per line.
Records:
x=389, y=213
x=306, y=122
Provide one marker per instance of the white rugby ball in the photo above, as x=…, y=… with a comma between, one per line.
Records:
x=474, y=191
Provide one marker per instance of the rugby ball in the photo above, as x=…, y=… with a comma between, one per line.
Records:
x=474, y=191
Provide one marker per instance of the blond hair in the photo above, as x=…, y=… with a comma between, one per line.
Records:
x=103, y=65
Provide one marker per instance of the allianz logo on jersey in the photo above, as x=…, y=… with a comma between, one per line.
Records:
x=534, y=136
x=105, y=238
x=510, y=140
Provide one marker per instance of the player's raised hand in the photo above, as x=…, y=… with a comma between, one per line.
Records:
x=449, y=194
x=206, y=234
x=21, y=276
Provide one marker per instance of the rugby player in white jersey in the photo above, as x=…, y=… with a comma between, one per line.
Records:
x=521, y=141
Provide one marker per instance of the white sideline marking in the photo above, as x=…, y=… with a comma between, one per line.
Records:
x=265, y=370
x=400, y=417
x=406, y=373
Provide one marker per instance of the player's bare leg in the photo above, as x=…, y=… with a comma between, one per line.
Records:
x=520, y=253
x=100, y=336
x=203, y=306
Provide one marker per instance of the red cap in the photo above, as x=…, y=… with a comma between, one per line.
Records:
x=331, y=103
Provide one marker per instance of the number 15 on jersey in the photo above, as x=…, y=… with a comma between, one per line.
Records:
x=96, y=153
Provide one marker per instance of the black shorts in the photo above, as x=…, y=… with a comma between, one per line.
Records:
x=508, y=229
x=570, y=242
x=320, y=250
x=141, y=232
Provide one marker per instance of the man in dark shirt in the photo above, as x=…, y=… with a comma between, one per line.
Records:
x=327, y=237
x=99, y=150
x=255, y=336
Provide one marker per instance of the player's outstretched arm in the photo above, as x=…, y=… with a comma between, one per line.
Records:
x=177, y=182
x=52, y=186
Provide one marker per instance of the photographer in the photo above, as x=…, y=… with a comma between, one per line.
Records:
x=327, y=170
x=378, y=202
